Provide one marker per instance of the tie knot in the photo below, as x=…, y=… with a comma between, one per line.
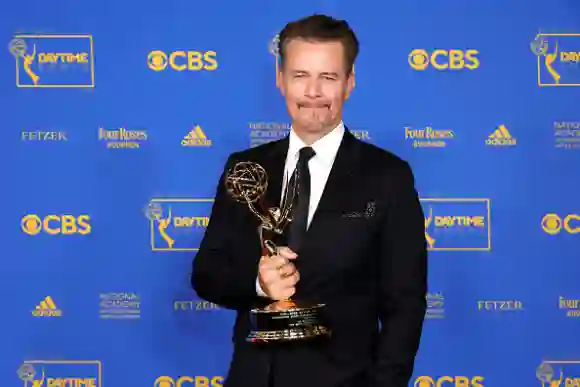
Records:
x=306, y=154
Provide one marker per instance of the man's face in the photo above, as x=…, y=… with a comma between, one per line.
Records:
x=315, y=82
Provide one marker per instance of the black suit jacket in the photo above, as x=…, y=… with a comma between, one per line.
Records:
x=367, y=266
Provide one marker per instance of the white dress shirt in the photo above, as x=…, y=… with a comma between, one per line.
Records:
x=319, y=165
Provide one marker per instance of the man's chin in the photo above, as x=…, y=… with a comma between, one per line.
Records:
x=311, y=127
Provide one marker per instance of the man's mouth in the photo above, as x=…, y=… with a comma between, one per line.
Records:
x=313, y=106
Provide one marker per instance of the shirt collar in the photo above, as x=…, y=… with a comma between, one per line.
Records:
x=325, y=148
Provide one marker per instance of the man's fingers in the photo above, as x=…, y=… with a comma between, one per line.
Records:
x=278, y=275
x=285, y=252
x=290, y=281
x=274, y=262
x=287, y=270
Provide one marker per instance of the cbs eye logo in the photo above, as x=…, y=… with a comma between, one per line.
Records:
x=449, y=381
x=420, y=59
x=188, y=381
x=553, y=224
x=56, y=224
x=182, y=60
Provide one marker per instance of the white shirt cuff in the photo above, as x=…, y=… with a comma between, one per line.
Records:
x=259, y=289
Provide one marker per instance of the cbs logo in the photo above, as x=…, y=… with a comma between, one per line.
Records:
x=188, y=381
x=449, y=381
x=182, y=60
x=419, y=59
x=56, y=224
x=552, y=224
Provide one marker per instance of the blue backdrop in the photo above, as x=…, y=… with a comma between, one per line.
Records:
x=118, y=116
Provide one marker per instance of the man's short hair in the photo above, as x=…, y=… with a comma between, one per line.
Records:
x=321, y=28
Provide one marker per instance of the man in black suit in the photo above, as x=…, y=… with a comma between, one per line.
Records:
x=362, y=247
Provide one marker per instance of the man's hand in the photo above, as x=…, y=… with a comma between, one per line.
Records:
x=278, y=275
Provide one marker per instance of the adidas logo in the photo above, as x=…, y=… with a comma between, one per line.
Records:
x=196, y=137
x=47, y=308
x=500, y=137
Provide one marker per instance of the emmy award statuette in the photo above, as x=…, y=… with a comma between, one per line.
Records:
x=284, y=320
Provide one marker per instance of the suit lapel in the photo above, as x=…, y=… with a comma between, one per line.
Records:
x=274, y=163
x=337, y=186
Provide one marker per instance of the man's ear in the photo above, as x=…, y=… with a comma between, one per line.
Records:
x=350, y=83
x=279, y=84
x=278, y=74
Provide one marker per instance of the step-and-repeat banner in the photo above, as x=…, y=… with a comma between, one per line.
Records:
x=118, y=117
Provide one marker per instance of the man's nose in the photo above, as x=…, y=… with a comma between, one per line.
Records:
x=312, y=89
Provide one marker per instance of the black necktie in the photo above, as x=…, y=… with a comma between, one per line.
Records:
x=300, y=205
